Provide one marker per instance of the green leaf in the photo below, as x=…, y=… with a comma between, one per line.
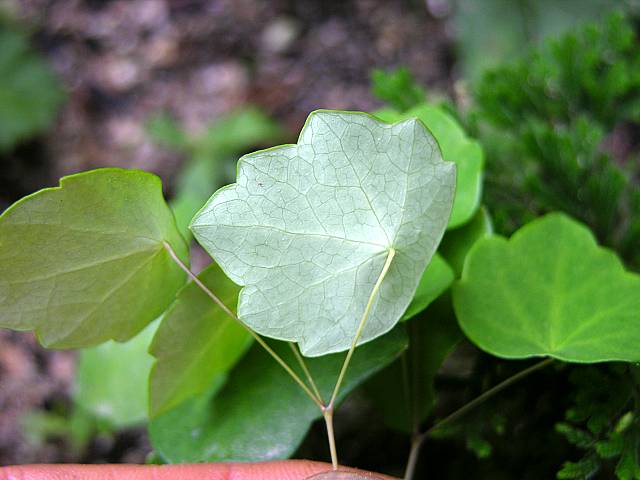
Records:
x=457, y=242
x=111, y=380
x=433, y=336
x=456, y=147
x=261, y=414
x=307, y=228
x=196, y=342
x=84, y=262
x=549, y=291
x=437, y=278
x=30, y=94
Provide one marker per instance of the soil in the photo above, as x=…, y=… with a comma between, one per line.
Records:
x=125, y=60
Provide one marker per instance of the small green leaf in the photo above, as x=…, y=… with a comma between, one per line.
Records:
x=196, y=342
x=84, y=262
x=261, y=414
x=437, y=278
x=456, y=147
x=549, y=291
x=307, y=228
x=457, y=242
x=111, y=379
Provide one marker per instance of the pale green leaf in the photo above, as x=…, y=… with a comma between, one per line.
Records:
x=307, y=228
x=456, y=147
x=549, y=291
x=111, y=379
x=84, y=262
x=260, y=414
x=196, y=342
x=436, y=279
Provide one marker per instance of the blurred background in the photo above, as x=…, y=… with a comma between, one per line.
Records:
x=181, y=88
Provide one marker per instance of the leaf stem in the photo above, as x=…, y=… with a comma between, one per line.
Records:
x=328, y=420
x=418, y=440
x=230, y=313
x=363, y=322
x=306, y=371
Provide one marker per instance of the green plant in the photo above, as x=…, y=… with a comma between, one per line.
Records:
x=29, y=92
x=320, y=248
x=553, y=111
x=547, y=124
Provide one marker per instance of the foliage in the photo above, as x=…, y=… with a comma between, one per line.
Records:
x=30, y=94
x=111, y=380
x=456, y=147
x=604, y=421
x=86, y=262
x=308, y=227
x=196, y=344
x=436, y=280
x=549, y=291
x=553, y=111
x=260, y=414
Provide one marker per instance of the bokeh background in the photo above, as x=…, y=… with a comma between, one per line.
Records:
x=171, y=85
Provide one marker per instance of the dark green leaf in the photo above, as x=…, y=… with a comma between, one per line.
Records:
x=433, y=336
x=196, y=342
x=261, y=414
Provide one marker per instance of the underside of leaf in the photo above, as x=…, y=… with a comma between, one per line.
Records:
x=306, y=228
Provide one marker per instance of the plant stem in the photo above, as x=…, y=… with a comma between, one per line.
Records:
x=306, y=371
x=414, y=453
x=328, y=420
x=418, y=440
x=363, y=321
x=230, y=313
x=488, y=394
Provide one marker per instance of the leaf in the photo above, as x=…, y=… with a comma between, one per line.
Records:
x=549, y=291
x=111, y=380
x=433, y=336
x=30, y=94
x=307, y=228
x=456, y=147
x=261, y=414
x=196, y=342
x=457, y=242
x=437, y=278
x=84, y=262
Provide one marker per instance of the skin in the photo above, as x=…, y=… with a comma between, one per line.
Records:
x=287, y=470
